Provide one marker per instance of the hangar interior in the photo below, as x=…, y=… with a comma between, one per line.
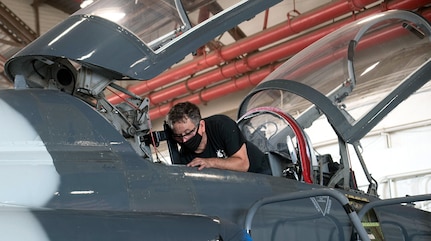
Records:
x=396, y=151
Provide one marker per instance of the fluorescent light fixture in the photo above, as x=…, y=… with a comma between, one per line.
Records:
x=113, y=15
x=85, y=3
x=370, y=68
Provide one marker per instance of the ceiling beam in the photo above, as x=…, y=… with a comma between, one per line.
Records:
x=14, y=27
x=235, y=32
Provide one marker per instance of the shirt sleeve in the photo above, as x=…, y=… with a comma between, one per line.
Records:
x=229, y=134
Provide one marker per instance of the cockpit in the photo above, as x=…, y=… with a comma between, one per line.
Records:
x=317, y=89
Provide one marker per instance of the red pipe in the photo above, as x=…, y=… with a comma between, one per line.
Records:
x=247, y=64
x=229, y=87
x=271, y=35
x=406, y=5
x=237, y=67
x=245, y=81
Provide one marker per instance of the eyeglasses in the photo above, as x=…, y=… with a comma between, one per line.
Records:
x=190, y=134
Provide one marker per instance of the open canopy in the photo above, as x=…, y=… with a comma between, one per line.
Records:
x=125, y=39
x=386, y=57
x=380, y=60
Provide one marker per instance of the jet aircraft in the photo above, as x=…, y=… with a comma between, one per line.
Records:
x=76, y=167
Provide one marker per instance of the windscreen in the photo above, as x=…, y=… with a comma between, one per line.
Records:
x=362, y=60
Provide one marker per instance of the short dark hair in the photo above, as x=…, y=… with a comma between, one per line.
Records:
x=182, y=111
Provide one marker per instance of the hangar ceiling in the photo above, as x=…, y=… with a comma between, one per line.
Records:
x=291, y=25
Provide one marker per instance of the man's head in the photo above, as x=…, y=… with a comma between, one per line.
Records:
x=187, y=128
x=183, y=111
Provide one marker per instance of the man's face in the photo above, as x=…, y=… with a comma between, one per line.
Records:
x=184, y=130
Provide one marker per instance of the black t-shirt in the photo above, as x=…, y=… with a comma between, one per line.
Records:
x=224, y=140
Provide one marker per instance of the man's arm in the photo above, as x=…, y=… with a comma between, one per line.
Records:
x=237, y=162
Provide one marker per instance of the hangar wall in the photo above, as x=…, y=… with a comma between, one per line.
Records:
x=397, y=151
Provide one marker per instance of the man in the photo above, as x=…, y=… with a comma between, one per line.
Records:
x=213, y=142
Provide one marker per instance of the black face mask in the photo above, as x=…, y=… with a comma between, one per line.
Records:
x=193, y=143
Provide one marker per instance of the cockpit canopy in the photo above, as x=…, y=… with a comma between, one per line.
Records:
x=155, y=23
x=387, y=54
x=352, y=78
x=123, y=39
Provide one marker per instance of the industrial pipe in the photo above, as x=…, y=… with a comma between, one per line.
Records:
x=271, y=35
x=220, y=90
x=394, y=4
x=235, y=68
x=243, y=65
x=234, y=85
x=249, y=63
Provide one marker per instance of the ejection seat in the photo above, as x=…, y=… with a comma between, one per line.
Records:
x=276, y=162
x=274, y=132
x=286, y=145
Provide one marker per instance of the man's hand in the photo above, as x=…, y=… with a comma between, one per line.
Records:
x=201, y=163
x=237, y=162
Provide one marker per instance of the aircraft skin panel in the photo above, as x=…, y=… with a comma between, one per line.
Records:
x=95, y=161
x=394, y=223
x=97, y=40
x=70, y=145
x=50, y=224
x=21, y=225
x=23, y=160
x=99, y=170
